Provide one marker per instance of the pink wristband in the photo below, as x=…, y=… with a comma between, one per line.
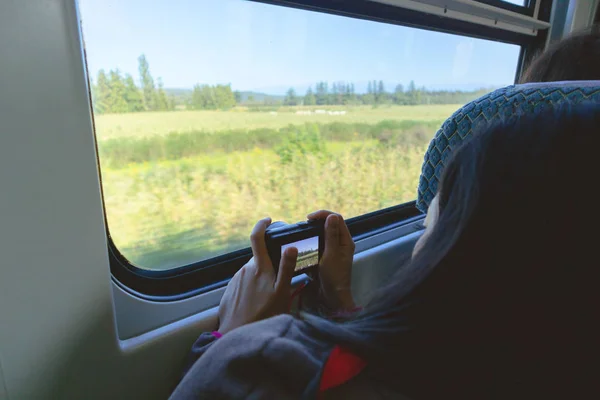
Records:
x=217, y=334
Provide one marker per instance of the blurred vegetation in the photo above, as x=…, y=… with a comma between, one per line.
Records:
x=175, y=196
x=305, y=138
x=169, y=213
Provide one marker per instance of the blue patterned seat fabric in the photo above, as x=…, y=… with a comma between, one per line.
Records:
x=516, y=99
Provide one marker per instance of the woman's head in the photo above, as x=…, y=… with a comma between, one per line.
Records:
x=575, y=58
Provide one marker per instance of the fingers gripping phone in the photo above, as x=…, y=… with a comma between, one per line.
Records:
x=307, y=237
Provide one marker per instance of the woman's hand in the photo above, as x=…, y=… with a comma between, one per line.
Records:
x=255, y=292
x=335, y=267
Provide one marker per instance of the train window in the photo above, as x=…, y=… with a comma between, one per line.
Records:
x=212, y=114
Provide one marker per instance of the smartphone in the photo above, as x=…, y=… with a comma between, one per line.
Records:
x=307, y=237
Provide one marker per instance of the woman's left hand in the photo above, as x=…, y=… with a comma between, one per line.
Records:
x=255, y=292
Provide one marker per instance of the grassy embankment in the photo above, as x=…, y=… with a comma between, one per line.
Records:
x=184, y=186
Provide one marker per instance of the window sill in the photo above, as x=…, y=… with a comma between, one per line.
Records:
x=140, y=320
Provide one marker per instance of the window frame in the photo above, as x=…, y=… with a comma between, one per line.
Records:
x=206, y=275
x=527, y=9
x=203, y=276
x=378, y=12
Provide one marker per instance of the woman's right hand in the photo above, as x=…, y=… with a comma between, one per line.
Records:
x=255, y=292
x=335, y=267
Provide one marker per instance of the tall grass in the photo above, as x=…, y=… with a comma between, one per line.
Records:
x=170, y=213
x=175, y=196
x=120, y=152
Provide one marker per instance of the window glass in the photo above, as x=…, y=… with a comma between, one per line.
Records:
x=515, y=2
x=496, y=2
x=212, y=114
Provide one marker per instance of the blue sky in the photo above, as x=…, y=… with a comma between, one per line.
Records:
x=270, y=48
x=303, y=245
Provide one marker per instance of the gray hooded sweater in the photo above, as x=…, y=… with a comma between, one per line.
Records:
x=277, y=358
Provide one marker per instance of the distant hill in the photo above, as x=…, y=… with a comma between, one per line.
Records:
x=437, y=94
x=182, y=96
x=260, y=97
x=178, y=92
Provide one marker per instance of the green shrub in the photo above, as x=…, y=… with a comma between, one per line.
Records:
x=119, y=152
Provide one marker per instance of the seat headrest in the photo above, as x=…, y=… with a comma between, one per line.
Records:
x=515, y=99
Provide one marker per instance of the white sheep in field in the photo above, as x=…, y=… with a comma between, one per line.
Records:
x=272, y=112
x=320, y=112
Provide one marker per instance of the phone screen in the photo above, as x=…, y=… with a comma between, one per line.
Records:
x=308, y=252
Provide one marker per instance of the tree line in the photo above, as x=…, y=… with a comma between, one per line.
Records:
x=343, y=93
x=114, y=92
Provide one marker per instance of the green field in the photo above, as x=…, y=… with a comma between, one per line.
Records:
x=160, y=123
x=185, y=186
